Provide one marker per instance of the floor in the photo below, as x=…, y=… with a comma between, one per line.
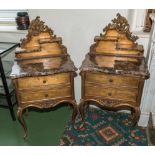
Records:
x=45, y=128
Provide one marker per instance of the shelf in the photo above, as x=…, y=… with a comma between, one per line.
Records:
x=2, y=91
x=3, y=101
x=10, y=87
x=7, y=54
x=7, y=65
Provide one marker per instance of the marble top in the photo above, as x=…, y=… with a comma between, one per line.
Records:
x=19, y=70
x=88, y=65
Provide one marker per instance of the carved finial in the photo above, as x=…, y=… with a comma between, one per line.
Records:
x=121, y=25
x=36, y=27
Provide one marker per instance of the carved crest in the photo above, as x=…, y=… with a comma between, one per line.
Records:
x=122, y=26
x=36, y=27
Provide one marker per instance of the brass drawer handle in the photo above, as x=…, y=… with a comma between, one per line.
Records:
x=44, y=81
x=109, y=94
x=46, y=95
x=110, y=80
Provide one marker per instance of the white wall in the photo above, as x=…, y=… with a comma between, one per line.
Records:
x=77, y=29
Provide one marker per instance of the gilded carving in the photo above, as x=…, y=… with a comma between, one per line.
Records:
x=36, y=27
x=121, y=25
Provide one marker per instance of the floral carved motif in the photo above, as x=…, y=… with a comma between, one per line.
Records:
x=105, y=102
x=109, y=103
x=48, y=104
x=36, y=27
x=121, y=25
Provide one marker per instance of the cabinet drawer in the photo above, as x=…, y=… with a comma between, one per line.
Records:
x=40, y=95
x=28, y=82
x=113, y=79
x=111, y=93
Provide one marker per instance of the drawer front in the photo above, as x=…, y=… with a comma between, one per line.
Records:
x=117, y=80
x=29, y=82
x=40, y=95
x=111, y=93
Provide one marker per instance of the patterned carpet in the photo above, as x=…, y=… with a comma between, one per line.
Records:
x=104, y=128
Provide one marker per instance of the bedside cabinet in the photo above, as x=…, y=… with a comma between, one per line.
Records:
x=114, y=71
x=43, y=73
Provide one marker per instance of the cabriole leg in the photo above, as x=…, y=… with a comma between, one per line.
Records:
x=75, y=112
x=22, y=122
x=81, y=109
x=136, y=115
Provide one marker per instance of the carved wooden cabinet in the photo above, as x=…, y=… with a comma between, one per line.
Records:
x=114, y=71
x=43, y=73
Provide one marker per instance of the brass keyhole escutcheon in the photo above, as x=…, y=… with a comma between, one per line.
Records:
x=44, y=81
x=110, y=80
x=46, y=95
x=109, y=94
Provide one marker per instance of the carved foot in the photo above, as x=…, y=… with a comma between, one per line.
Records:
x=81, y=109
x=136, y=115
x=22, y=122
x=75, y=112
x=73, y=105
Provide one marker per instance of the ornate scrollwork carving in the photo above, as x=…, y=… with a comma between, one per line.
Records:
x=105, y=102
x=121, y=25
x=36, y=27
x=112, y=104
x=48, y=104
x=109, y=103
x=44, y=105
